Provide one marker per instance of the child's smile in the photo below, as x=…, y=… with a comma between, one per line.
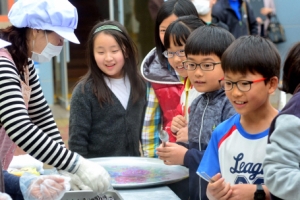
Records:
x=108, y=55
x=110, y=65
x=239, y=104
x=198, y=83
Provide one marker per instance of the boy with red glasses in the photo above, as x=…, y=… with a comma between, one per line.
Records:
x=236, y=151
x=204, y=49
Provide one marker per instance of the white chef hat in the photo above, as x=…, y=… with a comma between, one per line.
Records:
x=59, y=16
x=3, y=43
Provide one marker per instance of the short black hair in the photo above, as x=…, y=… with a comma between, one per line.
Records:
x=291, y=70
x=177, y=7
x=252, y=54
x=207, y=40
x=180, y=30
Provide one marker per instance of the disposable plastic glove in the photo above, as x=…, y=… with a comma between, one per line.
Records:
x=48, y=187
x=4, y=196
x=76, y=183
x=93, y=175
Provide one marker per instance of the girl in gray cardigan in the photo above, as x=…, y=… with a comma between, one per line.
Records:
x=107, y=105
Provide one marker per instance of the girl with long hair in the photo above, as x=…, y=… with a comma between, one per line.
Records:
x=107, y=105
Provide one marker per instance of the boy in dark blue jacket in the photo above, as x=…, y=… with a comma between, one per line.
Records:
x=203, y=49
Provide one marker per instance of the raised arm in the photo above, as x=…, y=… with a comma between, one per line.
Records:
x=28, y=136
x=21, y=129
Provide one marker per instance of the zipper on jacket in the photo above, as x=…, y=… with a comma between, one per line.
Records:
x=200, y=141
x=202, y=123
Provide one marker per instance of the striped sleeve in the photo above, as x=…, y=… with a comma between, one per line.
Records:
x=34, y=130
x=38, y=109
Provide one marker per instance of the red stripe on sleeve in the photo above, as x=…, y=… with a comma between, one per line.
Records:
x=227, y=135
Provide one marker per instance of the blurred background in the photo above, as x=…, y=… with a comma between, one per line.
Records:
x=59, y=76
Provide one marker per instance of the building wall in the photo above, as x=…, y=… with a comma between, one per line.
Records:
x=289, y=16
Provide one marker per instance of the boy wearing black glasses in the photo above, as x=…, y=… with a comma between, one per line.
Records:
x=236, y=151
x=204, y=49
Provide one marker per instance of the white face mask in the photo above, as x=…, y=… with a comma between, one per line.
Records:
x=202, y=6
x=48, y=53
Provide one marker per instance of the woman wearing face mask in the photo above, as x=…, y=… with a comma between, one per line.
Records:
x=204, y=9
x=37, y=33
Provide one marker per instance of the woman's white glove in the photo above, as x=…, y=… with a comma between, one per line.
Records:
x=76, y=183
x=50, y=187
x=4, y=196
x=93, y=175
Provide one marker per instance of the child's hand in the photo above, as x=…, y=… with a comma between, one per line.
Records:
x=242, y=191
x=178, y=122
x=172, y=153
x=182, y=135
x=219, y=189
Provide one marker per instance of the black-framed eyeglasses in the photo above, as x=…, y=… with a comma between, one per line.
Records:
x=205, y=66
x=242, y=85
x=170, y=54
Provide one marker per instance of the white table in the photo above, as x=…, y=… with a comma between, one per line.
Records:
x=161, y=192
